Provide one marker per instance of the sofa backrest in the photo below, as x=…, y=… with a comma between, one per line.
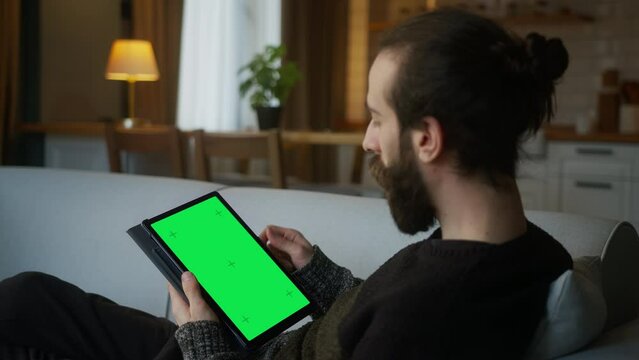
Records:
x=359, y=233
x=355, y=232
x=620, y=268
x=72, y=224
x=615, y=242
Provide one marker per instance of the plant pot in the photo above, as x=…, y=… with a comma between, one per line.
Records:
x=268, y=117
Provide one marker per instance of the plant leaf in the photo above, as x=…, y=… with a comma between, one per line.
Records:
x=268, y=77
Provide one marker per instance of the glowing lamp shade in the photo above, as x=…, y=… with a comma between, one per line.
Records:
x=131, y=61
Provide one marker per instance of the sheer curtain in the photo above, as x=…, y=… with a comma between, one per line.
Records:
x=218, y=37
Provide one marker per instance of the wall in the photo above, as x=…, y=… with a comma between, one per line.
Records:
x=610, y=41
x=76, y=36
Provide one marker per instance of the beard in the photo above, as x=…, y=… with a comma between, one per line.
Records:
x=404, y=189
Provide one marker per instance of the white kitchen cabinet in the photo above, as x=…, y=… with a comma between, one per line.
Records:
x=596, y=178
x=596, y=196
x=589, y=178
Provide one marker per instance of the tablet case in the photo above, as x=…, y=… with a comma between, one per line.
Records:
x=144, y=240
x=157, y=256
x=172, y=273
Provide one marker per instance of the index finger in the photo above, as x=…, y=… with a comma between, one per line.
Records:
x=272, y=230
x=262, y=235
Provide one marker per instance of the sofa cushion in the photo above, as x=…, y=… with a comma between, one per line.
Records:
x=575, y=313
x=619, y=343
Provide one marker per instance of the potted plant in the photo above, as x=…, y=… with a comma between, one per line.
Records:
x=269, y=83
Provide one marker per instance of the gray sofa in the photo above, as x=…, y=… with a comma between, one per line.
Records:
x=72, y=224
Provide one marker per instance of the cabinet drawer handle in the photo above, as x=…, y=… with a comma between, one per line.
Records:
x=594, y=151
x=593, y=185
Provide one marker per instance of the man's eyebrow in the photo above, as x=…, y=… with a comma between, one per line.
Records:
x=370, y=109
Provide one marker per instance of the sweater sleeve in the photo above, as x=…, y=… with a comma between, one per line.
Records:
x=325, y=281
x=204, y=340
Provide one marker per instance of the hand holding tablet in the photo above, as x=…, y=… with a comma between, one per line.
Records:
x=239, y=277
x=196, y=309
x=289, y=246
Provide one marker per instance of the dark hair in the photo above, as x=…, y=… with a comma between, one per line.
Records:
x=487, y=87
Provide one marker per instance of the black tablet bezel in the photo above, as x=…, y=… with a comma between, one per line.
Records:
x=268, y=334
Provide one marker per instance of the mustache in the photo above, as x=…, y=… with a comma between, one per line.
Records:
x=378, y=171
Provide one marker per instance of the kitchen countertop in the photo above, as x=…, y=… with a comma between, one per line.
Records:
x=567, y=133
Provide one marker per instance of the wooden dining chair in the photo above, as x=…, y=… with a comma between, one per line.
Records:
x=303, y=139
x=293, y=139
x=242, y=146
x=163, y=139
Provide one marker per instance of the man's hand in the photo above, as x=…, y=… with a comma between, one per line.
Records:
x=288, y=245
x=196, y=309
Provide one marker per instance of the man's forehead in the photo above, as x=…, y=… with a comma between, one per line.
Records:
x=381, y=78
x=384, y=67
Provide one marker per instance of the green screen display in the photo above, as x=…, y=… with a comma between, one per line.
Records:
x=231, y=266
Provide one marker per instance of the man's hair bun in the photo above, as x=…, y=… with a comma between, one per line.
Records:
x=549, y=56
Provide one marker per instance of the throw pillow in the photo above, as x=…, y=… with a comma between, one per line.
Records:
x=575, y=312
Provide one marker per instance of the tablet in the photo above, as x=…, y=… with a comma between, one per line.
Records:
x=240, y=279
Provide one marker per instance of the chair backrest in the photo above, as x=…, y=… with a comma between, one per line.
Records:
x=327, y=138
x=239, y=146
x=144, y=139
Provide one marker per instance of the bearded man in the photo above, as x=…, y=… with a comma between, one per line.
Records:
x=451, y=96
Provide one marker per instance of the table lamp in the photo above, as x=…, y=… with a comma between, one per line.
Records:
x=131, y=61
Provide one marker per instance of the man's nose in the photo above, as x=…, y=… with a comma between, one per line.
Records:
x=370, y=142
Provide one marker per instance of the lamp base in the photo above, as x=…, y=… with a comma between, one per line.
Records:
x=129, y=122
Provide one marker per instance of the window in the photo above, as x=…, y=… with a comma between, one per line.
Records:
x=218, y=37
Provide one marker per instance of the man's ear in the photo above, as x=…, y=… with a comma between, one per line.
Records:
x=428, y=140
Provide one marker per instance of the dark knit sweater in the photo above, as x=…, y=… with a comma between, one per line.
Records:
x=435, y=299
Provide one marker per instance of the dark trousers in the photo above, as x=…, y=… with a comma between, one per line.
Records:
x=43, y=317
